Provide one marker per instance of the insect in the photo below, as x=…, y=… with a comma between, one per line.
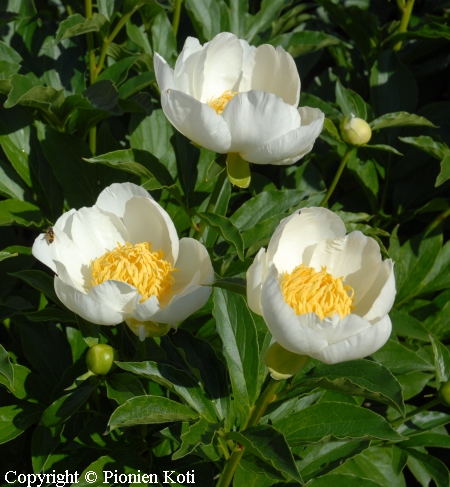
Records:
x=49, y=235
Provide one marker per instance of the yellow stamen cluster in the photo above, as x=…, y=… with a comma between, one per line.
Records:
x=221, y=101
x=137, y=265
x=308, y=291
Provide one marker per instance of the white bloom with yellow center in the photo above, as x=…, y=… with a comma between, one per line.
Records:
x=121, y=260
x=321, y=292
x=230, y=97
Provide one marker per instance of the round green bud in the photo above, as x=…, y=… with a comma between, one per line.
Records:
x=355, y=131
x=282, y=363
x=100, y=359
x=444, y=393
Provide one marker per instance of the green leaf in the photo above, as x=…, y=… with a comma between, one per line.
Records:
x=202, y=360
x=341, y=480
x=384, y=147
x=434, y=467
x=118, y=72
x=399, y=119
x=413, y=383
x=428, y=145
x=358, y=378
x=331, y=130
x=321, y=459
x=248, y=476
x=122, y=387
x=444, y=175
x=377, y=464
x=90, y=331
x=429, y=439
x=304, y=42
x=237, y=330
x=400, y=359
x=350, y=102
x=441, y=360
x=21, y=213
x=76, y=25
x=187, y=156
x=51, y=314
x=63, y=408
x=405, y=325
x=422, y=422
x=234, y=284
x=7, y=53
x=266, y=205
x=65, y=154
x=149, y=410
x=226, y=229
x=269, y=11
x=177, y=381
x=15, y=419
x=200, y=433
x=205, y=15
x=6, y=368
x=103, y=95
x=11, y=186
x=138, y=162
x=270, y=445
x=393, y=87
x=321, y=423
x=19, y=388
x=43, y=444
x=40, y=281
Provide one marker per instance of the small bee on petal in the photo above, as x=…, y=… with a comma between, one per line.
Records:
x=49, y=235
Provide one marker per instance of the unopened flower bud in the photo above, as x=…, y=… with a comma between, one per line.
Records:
x=100, y=359
x=355, y=131
x=444, y=393
x=282, y=363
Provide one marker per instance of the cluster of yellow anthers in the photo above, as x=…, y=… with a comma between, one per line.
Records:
x=219, y=103
x=308, y=291
x=137, y=265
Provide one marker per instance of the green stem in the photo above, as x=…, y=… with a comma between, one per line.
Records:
x=398, y=422
x=437, y=221
x=264, y=400
x=337, y=176
x=107, y=41
x=92, y=72
x=212, y=201
x=176, y=17
x=406, y=16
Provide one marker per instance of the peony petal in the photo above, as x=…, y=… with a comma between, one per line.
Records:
x=380, y=298
x=255, y=276
x=186, y=66
x=113, y=199
x=193, y=257
x=146, y=221
x=164, y=73
x=94, y=232
x=334, y=329
x=222, y=66
x=355, y=257
x=119, y=295
x=146, y=310
x=85, y=306
x=43, y=252
x=183, y=305
x=292, y=332
x=358, y=346
x=196, y=120
x=296, y=237
x=256, y=117
x=64, y=222
x=273, y=71
x=289, y=146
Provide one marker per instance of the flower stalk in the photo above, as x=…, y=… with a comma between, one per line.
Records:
x=92, y=72
x=398, y=422
x=337, y=176
x=176, y=17
x=268, y=396
x=406, y=9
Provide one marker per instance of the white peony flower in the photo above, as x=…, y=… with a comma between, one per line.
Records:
x=121, y=260
x=321, y=292
x=230, y=97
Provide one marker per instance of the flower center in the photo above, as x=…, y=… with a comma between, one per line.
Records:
x=137, y=265
x=221, y=101
x=308, y=291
